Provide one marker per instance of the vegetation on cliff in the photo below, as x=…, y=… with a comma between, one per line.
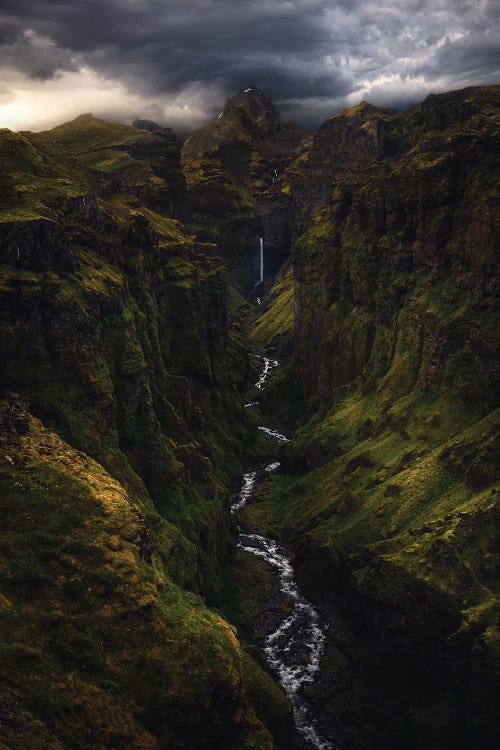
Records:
x=100, y=647
x=229, y=164
x=116, y=334
x=122, y=427
x=391, y=490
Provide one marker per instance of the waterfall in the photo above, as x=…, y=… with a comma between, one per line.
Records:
x=261, y=279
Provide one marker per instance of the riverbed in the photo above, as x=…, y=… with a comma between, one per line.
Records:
x=294, y=647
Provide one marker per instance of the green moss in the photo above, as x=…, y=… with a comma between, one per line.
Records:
x=274, y=326
x=83, y=614
x=387, y=490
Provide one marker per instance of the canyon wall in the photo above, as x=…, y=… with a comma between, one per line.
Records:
x=391, y=493
x=121, y=432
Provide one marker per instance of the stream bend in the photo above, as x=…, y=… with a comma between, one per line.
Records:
x=295, y=648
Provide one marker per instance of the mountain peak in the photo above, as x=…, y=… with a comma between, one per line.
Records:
x=143, y=123
x=254, y=103
x=86, y=117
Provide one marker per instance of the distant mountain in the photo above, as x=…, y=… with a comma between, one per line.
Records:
x=232, y=161
x=146, y=125
x=247, y=142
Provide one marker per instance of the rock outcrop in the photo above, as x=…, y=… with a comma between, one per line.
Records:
x=230, y=164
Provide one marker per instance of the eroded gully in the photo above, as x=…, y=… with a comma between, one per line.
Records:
x=295, y=647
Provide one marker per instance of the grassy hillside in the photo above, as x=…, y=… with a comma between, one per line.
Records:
x=274, y=324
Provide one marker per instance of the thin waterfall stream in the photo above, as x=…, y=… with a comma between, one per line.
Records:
x=261, y=268
x=295, y=647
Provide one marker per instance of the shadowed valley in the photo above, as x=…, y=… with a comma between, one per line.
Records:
x=133, y=327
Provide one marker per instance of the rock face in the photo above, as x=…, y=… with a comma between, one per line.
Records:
x=39, y=245
x=230, y=164
x=408, y=200
x=121, y=427
x=394, y=224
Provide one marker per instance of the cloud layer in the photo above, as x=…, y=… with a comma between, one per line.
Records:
x=179, y=59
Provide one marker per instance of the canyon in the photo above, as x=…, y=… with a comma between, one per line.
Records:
x=249, y=431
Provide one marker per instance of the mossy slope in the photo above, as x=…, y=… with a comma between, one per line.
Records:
x=275, y=324
x=114, y=327
x=391, y=493
x=100, y=647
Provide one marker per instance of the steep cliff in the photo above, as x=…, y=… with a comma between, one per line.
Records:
x=121, y=430
x=100, y=648
x=229, y=165
x=391, y=491
x=114, y=321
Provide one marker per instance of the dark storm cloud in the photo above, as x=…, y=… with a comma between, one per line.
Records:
x=309, y=54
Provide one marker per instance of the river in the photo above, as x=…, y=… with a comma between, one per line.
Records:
x=295, y=647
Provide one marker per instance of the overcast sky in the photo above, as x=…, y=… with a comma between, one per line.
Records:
x=177, y=60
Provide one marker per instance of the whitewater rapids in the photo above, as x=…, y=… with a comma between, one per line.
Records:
x=295, y=648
